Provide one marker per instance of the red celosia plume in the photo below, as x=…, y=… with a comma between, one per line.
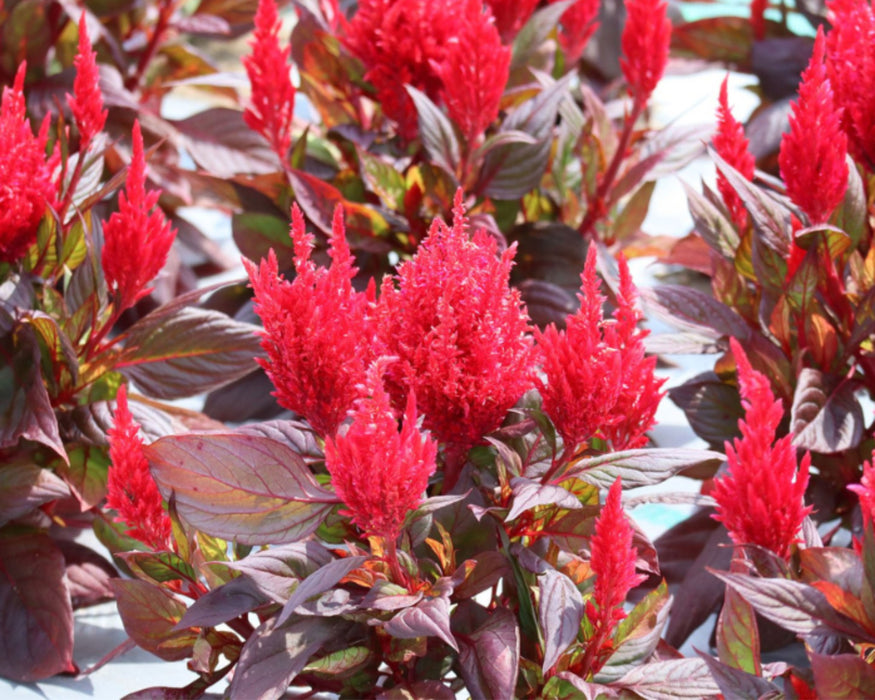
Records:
x=137, y=238
x=317, y=329
x=26, y=175
x=645, y=41
x=812, y=155
x=460, y=335
x=474, y=71
x=272, y=103
x=510, y=16
x=760, y=499
x=598, y=381
x=577, y=25
x=850, y=63
x=732, y=145
x=130, y=489
x=86, y=102
x=865, y=490
x=377, y=471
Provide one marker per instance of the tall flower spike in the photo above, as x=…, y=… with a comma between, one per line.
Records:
x=377, y=471
x=850, y=64
x=732, y=145
x=510, y=16
x=272, y=103
x=812, y=156
x=577, y=25
x=460, y=335
x=137, y=238
x=26, y=175
x=318, y=333
x=865, y=490
x=645, y=41
x=86, y=102
x=760, y=498
x=474, y=71
x=131, y=490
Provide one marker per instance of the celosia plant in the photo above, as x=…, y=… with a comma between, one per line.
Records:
x=86, y=102
x=732, y=145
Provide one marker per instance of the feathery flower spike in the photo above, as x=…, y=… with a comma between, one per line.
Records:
x=131, y=490
x=272, y=104
x=86, y=102
x=577, y=25
x=377, y=471
x=812, y=155
x=138, y=225
x=318, y=333
x=474, y=71
x=510, y=16
x=865, y=490
x=645, y=41
x=760, y=498
x=26, y=175
x=460, y=334
x=732, y=145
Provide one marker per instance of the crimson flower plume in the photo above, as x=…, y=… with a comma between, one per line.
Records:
x=760, y=498
x=137, y=238
x=317, y=329
x=86, y=102
x=732, y=145
x=865, y=490
x=474, y=71
x=26, y=175
x=131, y=490
x=645, y=41
x=459, y=333
x=377, y=471
x=510, y=16
x=812, y=155
x=272, y=103
x=577, y=25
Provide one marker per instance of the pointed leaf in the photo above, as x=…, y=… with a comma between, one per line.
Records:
x=824, y=421
x=737, y=684
x=237, y=597
x=689, y=309
x=241, y=488
x=842, y=676
x=319, y=581
x=436, y=131
x=158, y=567
x=490, y=657
x=560, y=610
x=24, y=487
x=675, y=678
x=528, y=494
x=738, y=639
x=277, y=570
x=641, y=467
x=428, y=618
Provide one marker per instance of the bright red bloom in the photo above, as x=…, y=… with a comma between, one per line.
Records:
x=598, y=381
x=474, y=71
x=850, y=64
x=400, y=42
x=812, y=155
x=137, y=238
x=86, y=102
x=865, y=490
x=459, y=332
x=510, y=16
x=26, y=175
x=760, y=499
x=318, y=334
x=732, y=145
x=758, y=19
x=379, y=473
x=130, y=489
x=272, y=104
x=577, y=25
x=645, y=41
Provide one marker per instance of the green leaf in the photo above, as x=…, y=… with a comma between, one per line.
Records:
x=242, y=488
x=641, y=467
x=158, y=567
x=256, y=233
x=738, y=639
x=638, y=635
x=737, y=684
x=436, y=131
x=852, y=214
x=341, y=663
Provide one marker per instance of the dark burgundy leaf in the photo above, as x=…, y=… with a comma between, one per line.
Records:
x=823, y=420
x=712, y=224
x=778, y=61
x=221, y=143
x=428, y=618
x=689, y=309
x=641, y=467
x=528, y=494
x=276, y=570
x=36, y=615
x=187, y=351
x=297, y=436
x=560, y=610
x=842, y=676
x=436, y=131
x=321, y=580
x=434, y=690
x=489, y=567
x=737, y=684
x=546, y=302
x=490, y=656
x=25, y=486
x=249, y=398
x=674, y=678
x=88, y=574
x=150, y=616
x=712, y=407
x=243, y=488
x=767, y=126
x=237, y=597
x=275, y=654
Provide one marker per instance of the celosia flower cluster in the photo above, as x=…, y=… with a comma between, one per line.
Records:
x=733, y=146
x=510, y=16
x=577, y=25
x=850, y=64
x=377, y=471
x=131, y=490
x=86, y=102
x=760, y=498
x=272, y=104
x=645, y=41
x=318, y=332
x=865, y=490
x=26, y=175
x=459, y=333
x=598, y=381
x=137, y=238
x=812, y=155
